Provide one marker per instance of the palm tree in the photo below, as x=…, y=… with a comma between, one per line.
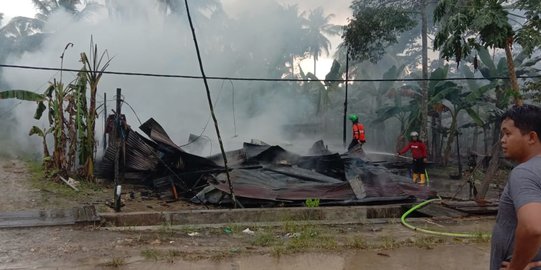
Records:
x=196, y=7
x=318, y=25
x=46, y=7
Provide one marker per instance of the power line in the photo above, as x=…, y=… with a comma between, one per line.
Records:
x=265, y=79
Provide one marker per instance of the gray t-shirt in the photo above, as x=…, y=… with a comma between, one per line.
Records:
x=523, y=186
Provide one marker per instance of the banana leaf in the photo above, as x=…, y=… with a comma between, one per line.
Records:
x=39, y=110
x=21, y=95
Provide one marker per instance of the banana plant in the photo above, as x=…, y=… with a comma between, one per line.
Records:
x=454, y=99
x=71, y=120
x=43, y=134
x=93, y=69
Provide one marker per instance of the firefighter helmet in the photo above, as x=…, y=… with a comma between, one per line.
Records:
x=353, y=117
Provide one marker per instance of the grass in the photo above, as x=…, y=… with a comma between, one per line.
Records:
x=265, y=239
x=39, y=180
x=151, y=254
x=165, y=231
x=174, y=253
x=428, y=242
x=357, y=243
x=292, y=238
x=156, y=255
x=115, y=262
x=388, y=242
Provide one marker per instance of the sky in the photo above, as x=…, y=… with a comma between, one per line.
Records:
x=178, y=105
x=13, y=8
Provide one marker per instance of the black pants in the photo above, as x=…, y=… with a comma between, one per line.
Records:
x=353, y=143
x=418, y=165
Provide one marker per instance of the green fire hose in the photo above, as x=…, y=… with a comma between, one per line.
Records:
x=465, y=235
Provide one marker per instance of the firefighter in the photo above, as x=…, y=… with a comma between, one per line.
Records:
x=358, y=132
x=418, y=153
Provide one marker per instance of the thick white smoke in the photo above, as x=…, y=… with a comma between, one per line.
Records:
x=140, y=38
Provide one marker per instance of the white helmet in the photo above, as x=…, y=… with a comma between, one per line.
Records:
x=414, y=134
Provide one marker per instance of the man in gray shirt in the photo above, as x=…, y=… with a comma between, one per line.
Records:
x=516, y=238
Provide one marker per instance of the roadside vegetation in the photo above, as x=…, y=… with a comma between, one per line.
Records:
x=286, y=239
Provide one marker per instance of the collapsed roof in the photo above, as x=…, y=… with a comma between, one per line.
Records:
x=260, y=174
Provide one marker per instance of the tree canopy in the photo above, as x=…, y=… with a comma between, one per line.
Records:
x=529, y=35
x=374, y=28
x=462, y=28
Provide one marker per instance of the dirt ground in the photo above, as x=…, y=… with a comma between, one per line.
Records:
x=288, y=246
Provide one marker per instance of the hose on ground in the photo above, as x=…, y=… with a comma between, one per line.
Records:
x=438, y=233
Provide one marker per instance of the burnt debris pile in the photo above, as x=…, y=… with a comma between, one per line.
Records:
x=261, y=174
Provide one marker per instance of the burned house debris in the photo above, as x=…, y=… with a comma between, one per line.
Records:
x=261, y=175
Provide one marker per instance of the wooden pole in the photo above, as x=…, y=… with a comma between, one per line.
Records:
x=104, y=122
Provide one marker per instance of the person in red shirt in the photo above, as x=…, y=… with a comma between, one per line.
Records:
x=418, y=153
x=358, y=132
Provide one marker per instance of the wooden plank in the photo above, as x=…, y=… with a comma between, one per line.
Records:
x=456, y=204
x=436, y=210
x=473, y=207
x=69, y=183
x=491, y=210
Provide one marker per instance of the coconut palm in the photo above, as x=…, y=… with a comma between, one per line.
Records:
x=21, y=34
x=197, y=8
x=318, y=25
x=46, y=7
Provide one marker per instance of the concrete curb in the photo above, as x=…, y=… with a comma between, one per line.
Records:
x=336, y=215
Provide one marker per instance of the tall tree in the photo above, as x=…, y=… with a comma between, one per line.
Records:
x=318, y=25
x=373, y=28
x=529, y=35
x=46, y=7
x=197, y=8
x=464, y=27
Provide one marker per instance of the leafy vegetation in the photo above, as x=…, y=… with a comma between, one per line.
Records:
x=71, y=122
x=373, y=29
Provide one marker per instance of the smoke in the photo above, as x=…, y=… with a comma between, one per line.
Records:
x=243, y=40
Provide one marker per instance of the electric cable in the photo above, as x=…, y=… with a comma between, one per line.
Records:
x=267, y=79
x=208, y=121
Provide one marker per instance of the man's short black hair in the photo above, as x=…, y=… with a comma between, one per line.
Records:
x=526, y=118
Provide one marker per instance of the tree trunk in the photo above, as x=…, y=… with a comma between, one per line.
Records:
x=491, y=172
x=494, y=160
x=512, y=72
x=59, y=135
x=435, y=139
x=91, y=142
x=475, y=140
x=45, y=147
x=450, y=139
x=315, y=62
x=439, y=142
x=424, y=84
